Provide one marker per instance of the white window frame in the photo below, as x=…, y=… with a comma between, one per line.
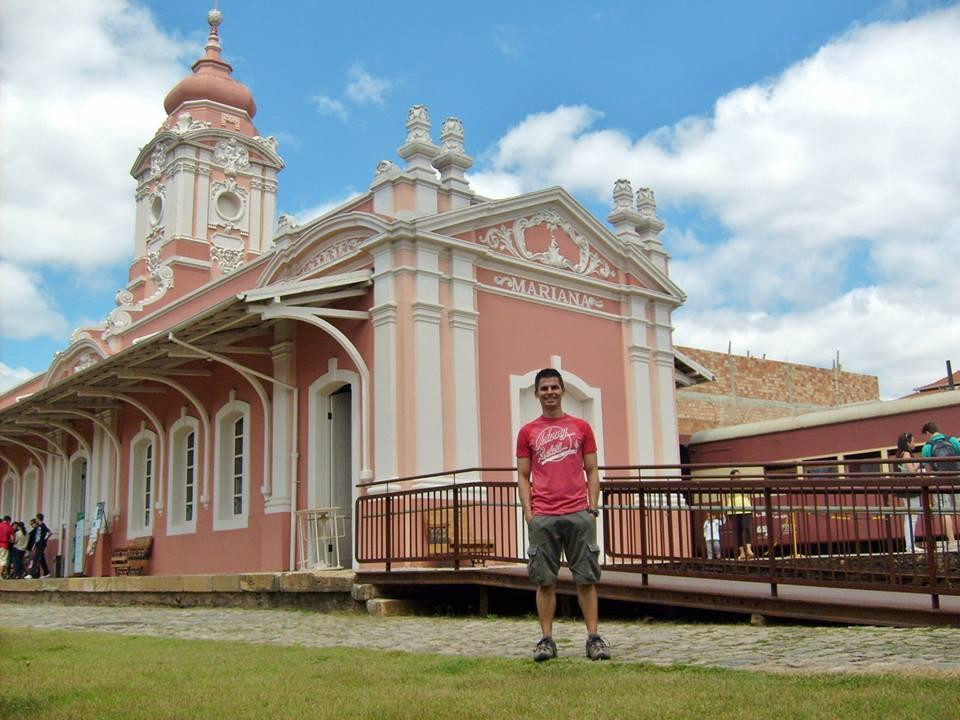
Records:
x=8, y=494
x=177, y=524
x=30, y=490
x=223, y=477
x=136, y=489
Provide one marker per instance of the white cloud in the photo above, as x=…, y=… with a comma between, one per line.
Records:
x=311, y=213
x=363, y=88
x=837, y=187
x=330, y=106
x=74, y=112
x=506, y=40
x=13, y=376
x=24, y=310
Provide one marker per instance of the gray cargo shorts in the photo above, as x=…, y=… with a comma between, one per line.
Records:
x=575, y=535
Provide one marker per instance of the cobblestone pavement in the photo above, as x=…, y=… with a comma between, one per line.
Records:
x=733, y=645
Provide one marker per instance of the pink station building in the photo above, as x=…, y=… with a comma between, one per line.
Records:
x=257, y=372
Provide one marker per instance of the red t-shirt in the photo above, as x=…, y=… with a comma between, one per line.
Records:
x=556, y=447
x=6, y=534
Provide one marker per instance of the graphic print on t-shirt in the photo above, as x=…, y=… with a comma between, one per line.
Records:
x=554, y=443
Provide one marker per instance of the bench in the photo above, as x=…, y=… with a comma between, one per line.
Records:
x=440, y=537
x=133, y=559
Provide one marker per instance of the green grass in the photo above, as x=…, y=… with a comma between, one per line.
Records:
x=54, y=675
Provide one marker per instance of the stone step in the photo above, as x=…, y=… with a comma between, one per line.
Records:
x=389, y=607
x=362, y=592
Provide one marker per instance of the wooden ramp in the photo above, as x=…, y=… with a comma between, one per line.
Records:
x=867, y=607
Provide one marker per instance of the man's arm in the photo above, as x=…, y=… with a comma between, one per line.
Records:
x=593, y=479
x=523, y=487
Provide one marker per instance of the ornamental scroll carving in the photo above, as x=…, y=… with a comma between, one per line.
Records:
x=514, y=242
x=232, y=155
x=229, y=259
x=157, y=160
x=327, y=255
x=120, y=318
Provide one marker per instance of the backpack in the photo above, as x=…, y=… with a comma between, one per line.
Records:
x=942, y=448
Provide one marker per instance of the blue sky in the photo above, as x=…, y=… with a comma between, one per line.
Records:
x=804, y=155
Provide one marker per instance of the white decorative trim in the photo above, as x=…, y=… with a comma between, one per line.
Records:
x=325, y=255
x=545, y=291
x=223, y=517
x=135, y=490
x=119, y=318
x=157, y=160
x=176, y=498
x=318, y=445
x=185, y=123
x=218, y=218
x=229, y=259
x=233, y=156
x=514, y=243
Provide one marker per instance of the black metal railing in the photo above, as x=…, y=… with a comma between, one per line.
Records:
x=826, y=523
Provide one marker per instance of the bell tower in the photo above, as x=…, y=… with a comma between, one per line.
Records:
x=206, y=188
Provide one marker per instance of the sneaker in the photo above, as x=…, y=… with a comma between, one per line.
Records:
x=546, y=650
x=597, y=648
x=45, y=576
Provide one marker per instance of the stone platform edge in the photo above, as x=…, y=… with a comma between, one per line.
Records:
x=334, y=581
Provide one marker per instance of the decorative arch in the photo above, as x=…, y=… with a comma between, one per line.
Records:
x=232, y=437
x=318, y=441
x=83, y=353
x=589, y=397
x=320, y=244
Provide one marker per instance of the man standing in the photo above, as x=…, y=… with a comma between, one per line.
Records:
x=41, y=535
x=6, y=537
x=560, y=508
x=938, y=445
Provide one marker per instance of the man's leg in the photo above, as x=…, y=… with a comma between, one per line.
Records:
x=587, y=596
x=546, y=608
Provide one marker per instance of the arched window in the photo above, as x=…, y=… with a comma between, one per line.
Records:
x=31, y=486
x=185, y=468
x=231, y=492
x=143, y=484
x=8, y=492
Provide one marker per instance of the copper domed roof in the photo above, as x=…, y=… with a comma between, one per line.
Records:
x=211, y=79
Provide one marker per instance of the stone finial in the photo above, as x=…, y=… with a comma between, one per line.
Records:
x=384, y=166
x=622, y=194
x=418, y=124
x=646, y=203
x=451, y=135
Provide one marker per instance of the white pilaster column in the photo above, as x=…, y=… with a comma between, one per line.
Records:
x=281, y=464
x=201, y=212
x=463, y=335
x=383, y=317
x=182, y=180
x=268, y=210
x=255, y=238
x=427, y=312
x=664, y=362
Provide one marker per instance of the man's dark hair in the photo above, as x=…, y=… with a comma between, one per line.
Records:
x=930, y=428
x=40, y=517
x=545, y=373
x=734, y=472
x=7, y=518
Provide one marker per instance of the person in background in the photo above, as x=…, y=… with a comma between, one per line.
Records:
x=909, y=470
x=6, y=539
x=940, y=446
x=18, y=550
x=741, y=512
x=711, y=534
x=41, y=533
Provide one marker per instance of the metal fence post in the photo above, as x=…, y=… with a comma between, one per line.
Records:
x=931, y=544
x=457, y=545
x=389, y=548
x=768, y=503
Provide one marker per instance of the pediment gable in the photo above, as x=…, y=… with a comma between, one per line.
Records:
x=314, y=248
x=82, y=353
x=549, y=228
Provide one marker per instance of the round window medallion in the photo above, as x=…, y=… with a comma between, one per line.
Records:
x=156, y=209
x=229, y=205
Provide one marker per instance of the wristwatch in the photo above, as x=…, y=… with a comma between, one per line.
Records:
x=594, y=511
